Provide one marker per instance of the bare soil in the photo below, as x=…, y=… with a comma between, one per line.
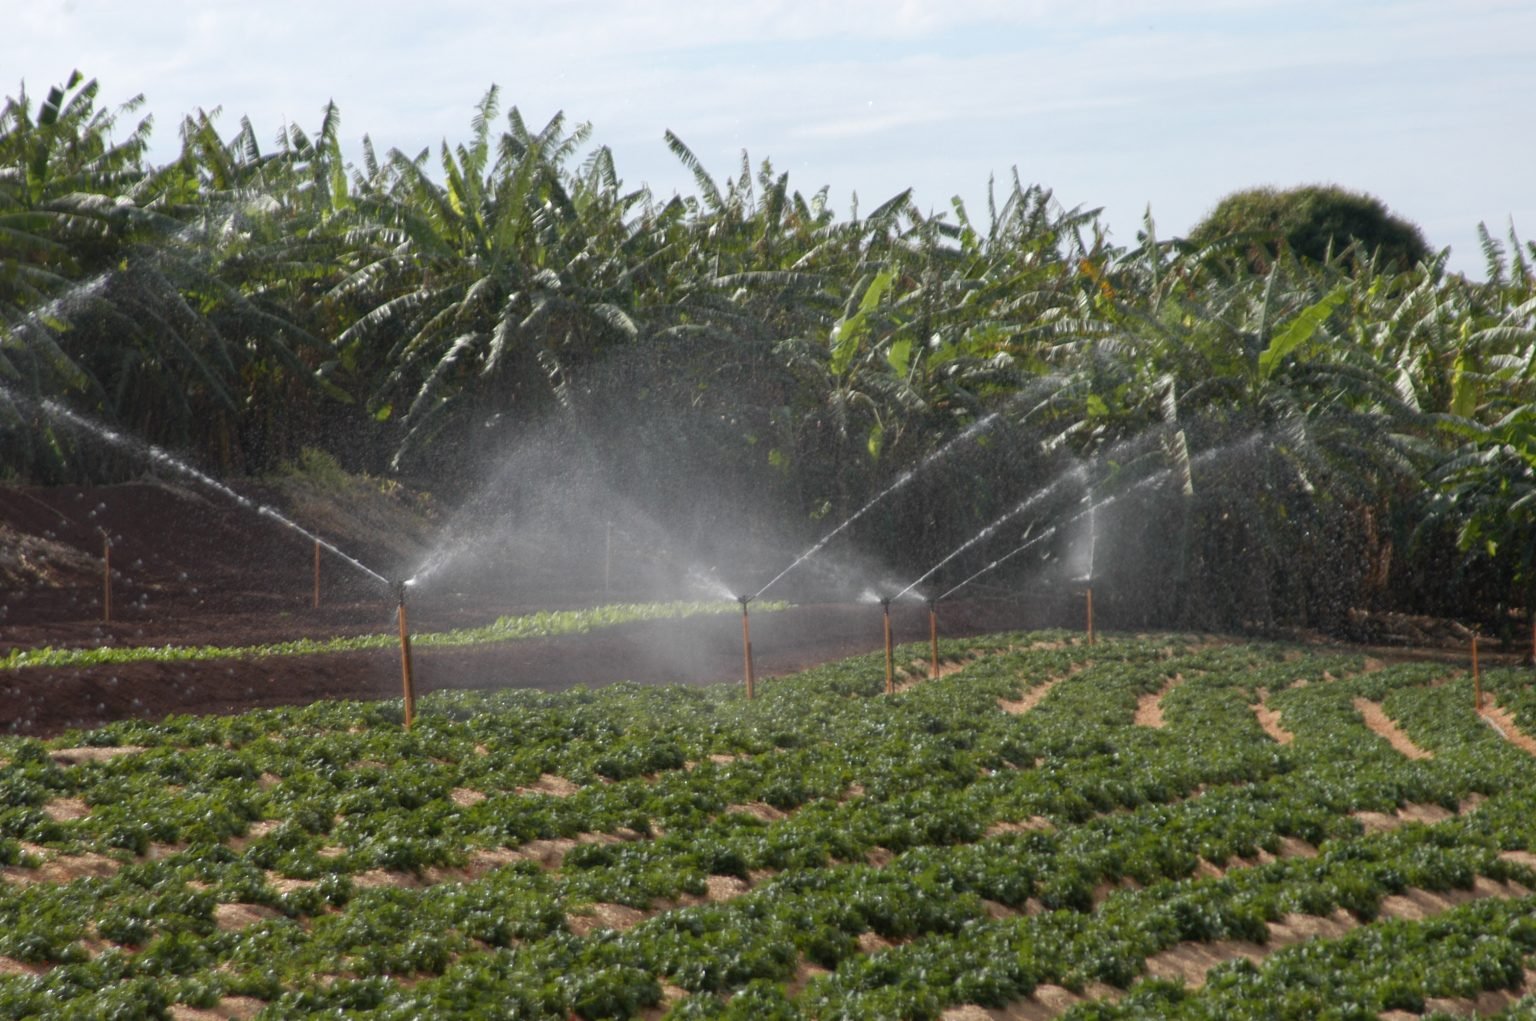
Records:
x=1149, y=707
x=190, y=570
x=1385, y=727
x=193, y=569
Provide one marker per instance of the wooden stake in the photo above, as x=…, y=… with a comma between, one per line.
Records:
x=106, y=577
x=890, y=673
x=408, y=681
x=317, y=574
x=1477, y=680
x=1090, y=616
x=933, y=640
x=746, y=650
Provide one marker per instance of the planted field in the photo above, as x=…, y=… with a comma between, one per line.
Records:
x=1143, y=827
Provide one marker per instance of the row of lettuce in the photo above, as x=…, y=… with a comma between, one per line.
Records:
x=840, y=813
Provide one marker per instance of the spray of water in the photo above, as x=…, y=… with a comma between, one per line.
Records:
x=1093, y=535
x=1000, y=561
x=159, y=456
x=706, y=583
x=974, y=429
x=1052, y=530
x=1075, y=473
x=1156, y=478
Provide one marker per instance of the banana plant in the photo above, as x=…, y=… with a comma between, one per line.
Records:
x=475, y=288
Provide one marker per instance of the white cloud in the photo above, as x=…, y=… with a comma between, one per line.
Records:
x=1113, y=103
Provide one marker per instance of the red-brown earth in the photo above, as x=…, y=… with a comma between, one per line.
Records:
x=190, y=569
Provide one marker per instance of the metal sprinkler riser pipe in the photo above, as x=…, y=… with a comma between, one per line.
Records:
x=890, y=673
x=933, y=638
x=407, y=677
x=746, y=648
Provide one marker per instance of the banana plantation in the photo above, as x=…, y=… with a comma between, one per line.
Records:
x=1272, y=437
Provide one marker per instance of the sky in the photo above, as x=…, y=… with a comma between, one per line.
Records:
x=1112, y=104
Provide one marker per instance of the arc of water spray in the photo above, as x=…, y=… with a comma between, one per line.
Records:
x=1151, y=480
x=159, y=456
x=980, y=425
x=990, y=530
x=1052, y=530
x=1002, y=559
x=1093, y=533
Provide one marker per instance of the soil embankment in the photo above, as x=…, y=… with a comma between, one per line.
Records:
x=187, y=570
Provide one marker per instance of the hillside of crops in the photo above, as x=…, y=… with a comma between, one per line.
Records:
x=1145, y=826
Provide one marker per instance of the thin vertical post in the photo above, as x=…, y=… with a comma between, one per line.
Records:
x=317, y=574
x=408, y=681
x=890, y=673
x=1089, y=602
x=1477, y=680
x=608, y=563
x=746, y=647
x=933, y=638
x=106, y=576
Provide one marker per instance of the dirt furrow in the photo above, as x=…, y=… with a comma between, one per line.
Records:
x=1190, y=962
x=1269, y=719
x=1149, y=707
x=1034, y=696
x=1383, y=726
x=1503, y=723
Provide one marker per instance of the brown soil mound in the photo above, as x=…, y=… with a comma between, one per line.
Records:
x=1384, y=726
x=1149, y=707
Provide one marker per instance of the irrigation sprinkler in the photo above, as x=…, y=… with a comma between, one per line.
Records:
x=1088, y=593
x=933, y=638
x=890, y=674
x=746, y=645
x=317, y=574
x=106, y=576
x=408, y=681
x=1477, y=680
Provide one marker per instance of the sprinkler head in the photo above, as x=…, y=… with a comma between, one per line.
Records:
x=743, y=600
x=933, y=606
x=885, y=604
x=400, y=587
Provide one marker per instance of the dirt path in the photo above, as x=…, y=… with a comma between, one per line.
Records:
x=1503, y=723
x=1149, y=707
x=1033, y=697
x=1382, y=725
x=1269, y=719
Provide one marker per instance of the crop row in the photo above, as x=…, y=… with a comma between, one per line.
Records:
x=834, y=813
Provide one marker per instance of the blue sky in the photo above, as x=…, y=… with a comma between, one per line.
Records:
x=1112, y=104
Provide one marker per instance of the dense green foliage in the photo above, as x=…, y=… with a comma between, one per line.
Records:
x=1301, y=438
x=901, y=855
x=1313, y=222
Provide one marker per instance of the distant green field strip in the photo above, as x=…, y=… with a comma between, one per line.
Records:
x=535, y=625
